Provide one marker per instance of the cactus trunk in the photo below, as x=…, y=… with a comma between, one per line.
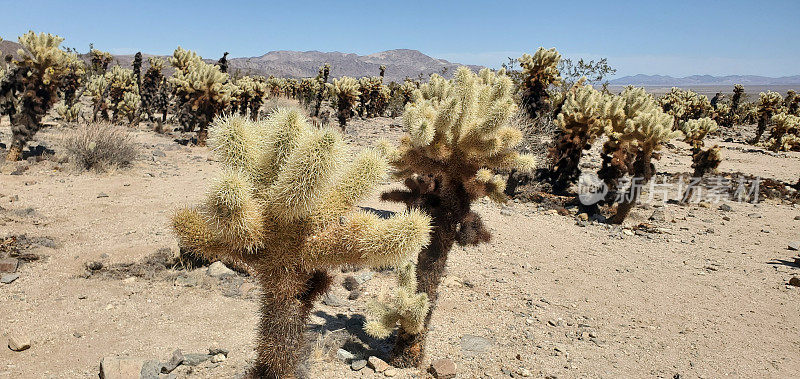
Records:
x=642, y=168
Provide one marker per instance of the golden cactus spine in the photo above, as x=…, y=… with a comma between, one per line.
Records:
x=539, y=72
x=284, y=207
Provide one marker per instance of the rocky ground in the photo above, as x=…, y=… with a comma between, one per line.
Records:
x=702, y=291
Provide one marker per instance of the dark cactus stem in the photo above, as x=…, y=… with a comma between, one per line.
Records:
x=322, y=77
x=535, y=99
x=223, y=63
x=762, y=126
x=137, y=68
x=566, y=157
x=643, y=169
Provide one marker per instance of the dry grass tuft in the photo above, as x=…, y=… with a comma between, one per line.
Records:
x=100, y=147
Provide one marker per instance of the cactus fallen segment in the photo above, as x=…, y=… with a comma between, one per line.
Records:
x=284, y=206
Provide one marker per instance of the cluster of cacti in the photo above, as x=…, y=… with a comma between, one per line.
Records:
x=684, y=105
x=407, y=309
x=250, y=94
x=785, y=134
x=345, y=94
x=309, y=88
x=792, y=103
x=71, y=82
x=153, y=91
x=284, y=207
x=539, y=72
x=374, y=97
x=100, y=61
x=457, y=133
x=400, y=95
x=123, y=94
x=97, y=87
x=694, y=131
x=201, y=90
x=769, y=104
x=31, y=86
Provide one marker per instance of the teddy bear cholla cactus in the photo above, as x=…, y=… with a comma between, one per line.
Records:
x=769, y=104
x=203, y=92
x=457, y=133
x=97, y=87
x=581, y=121
x=406, y=309
x=539, y=72
x=181, y=59
x=685, y=105
x=153, y=91
x=250, y=95
x=695, y=131
x=121, y=83
x=30, y=87
x=284, y=206
x=785, y=135
x=345, y=92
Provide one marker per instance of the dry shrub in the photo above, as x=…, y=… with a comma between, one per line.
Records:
x=100, y=147
x=537, y=134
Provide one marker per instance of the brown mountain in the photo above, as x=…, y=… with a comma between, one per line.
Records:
x=400, y=63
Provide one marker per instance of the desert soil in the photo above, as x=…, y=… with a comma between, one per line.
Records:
x=704, y=294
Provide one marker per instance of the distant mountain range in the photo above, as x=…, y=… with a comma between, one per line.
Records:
x=400, y=63
x=705, y=80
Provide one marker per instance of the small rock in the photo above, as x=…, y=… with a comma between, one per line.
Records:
x=627, y=232
x=330, y=299
x=725, y=208
x=525, y=373
x=358, y=365
x=474, y=345
x=794, y=281
x=9, y=265
x=443, y=369
x=186, y=281
x=218, y=350
x=797, y=217
x=795, y=245
x=8, y=278
x=150, y=370
x=218, y=358
x=350, y=283
x=159, y=153
x=175, y=361
x=390, y=372
x=94, y=265
x=19, y=343
x=506, y=211
x=583, y=217
x=102, y=195
x=195, y=359
x=726, y=218
x=219, y=270
x=344, y=355
x=377, y=364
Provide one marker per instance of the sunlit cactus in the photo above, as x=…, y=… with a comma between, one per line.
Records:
x=456, y=137
x=400, y=95
x=181, y=59
x=31, y=86
x=374, y=97
x=97, y=88
x=684, y=105
x=344, y=91
x=72, y=80
x=539, y=72
x=203, y=92
x=130, y=107
x=68, y=113
x=407, y=309
x=309, y=88
x=785, y=135
x=284, y=207
x=100, y=60
x=695, y=131
x=250, y=95
x=322, y=79
x=581, y=122
x=736, y=99
x=769, y=104
x=121, y=81
x=153, y=93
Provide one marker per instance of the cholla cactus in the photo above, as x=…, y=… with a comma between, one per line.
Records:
x=769, y=104
x=703, y=161
x=203, y=92
x=792, y=103
x=382, y=71
x=284, y=206
x=581, y=122
x=454, y=141
x=153, y=89
x=30, y=87
x=130, y=107
x=642, y=136
x=250, y=95
x=121, y=81
x=222, y=63
x=322, y=79
x=374, y=97
x=181, y=59
x=539, y=72
x=137, y=67
x=723, y=115
x=685, y=105
x=100, y=61
x=67, y=113
x=309, y=88
x=345, y=92
x=407, y=309
x=72, y=80
x=400, y=95
x=785, y=135
x=98, y=91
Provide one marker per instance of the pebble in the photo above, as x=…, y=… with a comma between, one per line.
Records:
x=175, y=361
x=218, y=358
x=330, y=299
x=102, y=195
x=794, y=281
x=218, y=350
x=725, y=208
x=19, y=343
x=390, y=372
x=377, y=364
x=506, y=212
x=8, y=278
x=219, y=270
x=474, y=345
x=186, y=281
x=795, y=245
x=121, y=368
x=344, y=355
x=350, y=283
x=9, y=265
x=358, y=365
x=443, y=369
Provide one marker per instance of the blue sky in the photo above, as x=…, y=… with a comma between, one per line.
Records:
x=670, y=37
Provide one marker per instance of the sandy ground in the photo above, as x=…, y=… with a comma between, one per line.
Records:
x=705, y=297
